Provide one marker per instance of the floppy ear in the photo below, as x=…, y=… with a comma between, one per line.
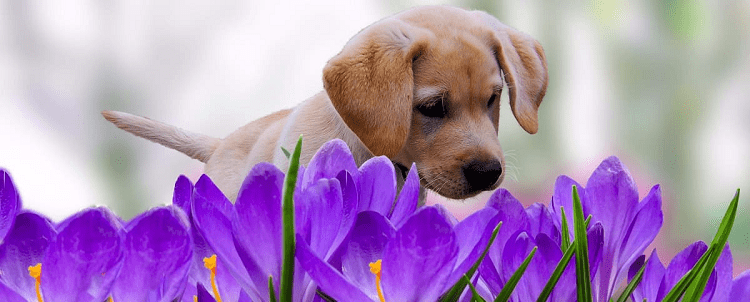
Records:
x=525, y=69
x=371, y=83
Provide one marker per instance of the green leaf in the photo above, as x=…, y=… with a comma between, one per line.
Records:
x=286, y=152
x=695, y=290
x=287, y=212
x=583, y=275
x=475, y=297
x=271, y=290
x=633, y=283
x=513, y=281
x=557, y=273
x=455, y=292
x=565, y=231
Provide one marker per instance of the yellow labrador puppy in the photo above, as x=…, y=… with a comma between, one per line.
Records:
x=422, y=86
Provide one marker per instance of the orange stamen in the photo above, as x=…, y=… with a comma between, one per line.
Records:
x=375, y=268
x=36, y=273
x=210, y=264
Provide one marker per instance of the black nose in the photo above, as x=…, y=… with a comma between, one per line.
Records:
x=481, y=175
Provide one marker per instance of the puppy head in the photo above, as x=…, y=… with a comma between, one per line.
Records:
x=424, y=85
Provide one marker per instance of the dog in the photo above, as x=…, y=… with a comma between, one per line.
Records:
x=422, y=86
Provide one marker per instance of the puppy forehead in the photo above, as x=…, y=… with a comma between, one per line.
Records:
x=461, y=65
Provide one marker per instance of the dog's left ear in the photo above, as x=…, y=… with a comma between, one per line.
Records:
x=371, y=83
x=525, y=69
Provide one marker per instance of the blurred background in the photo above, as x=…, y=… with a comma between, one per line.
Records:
x=663, y=85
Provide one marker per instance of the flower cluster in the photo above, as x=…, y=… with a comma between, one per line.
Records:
x=356, y=238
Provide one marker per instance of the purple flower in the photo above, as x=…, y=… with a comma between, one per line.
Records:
x=330, y=191
x=83, y=260
x=10, y=204
x=158, y=250
x=523, y=230
x=418, y=262
x=658, y=281
x=611, y=198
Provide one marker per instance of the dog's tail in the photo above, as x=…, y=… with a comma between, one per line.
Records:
x=195, y=145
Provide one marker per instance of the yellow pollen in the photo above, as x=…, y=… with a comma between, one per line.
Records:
x=36, y=273
x=210, y=264
x=110, y=299
x=375, y=268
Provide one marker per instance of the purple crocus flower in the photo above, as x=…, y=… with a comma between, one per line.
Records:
x=83, y=260
x=247, y=236
x=523, y=230
x=658, y=281
x=158, y=250
x=10, y=204
x=418, y=262
x=611, y=198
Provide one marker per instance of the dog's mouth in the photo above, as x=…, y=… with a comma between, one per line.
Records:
x=473, y=178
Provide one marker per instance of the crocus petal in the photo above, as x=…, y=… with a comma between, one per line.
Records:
x=24, y=247
x=212, y=217
x=740, y=287
x=328, y=279
x=328, y=161
x=408, y=198
x=365, y=245
x=652, y=276
x=158, y=250
x=82, y=262
x=514, y=218
x=350, y=199
x=183, y=191
x=320, y=207
x=517, y=248
x=681, y=264
x=541, y=222
x=203, y=295
x=257, y=225
x=10, y=204
x=723, y=271
x=377, y=185
x=642, y=230
x=563, y=197
x=472, y=241
x=8, y=295
x=418, y=260
x=612, y=198
x=595, y=237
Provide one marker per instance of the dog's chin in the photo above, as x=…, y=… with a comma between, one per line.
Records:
x=462, y=191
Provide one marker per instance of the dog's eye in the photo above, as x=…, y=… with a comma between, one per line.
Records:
x=491, y=101
x=433, y=108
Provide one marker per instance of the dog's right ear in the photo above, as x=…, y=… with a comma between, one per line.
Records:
x=371, y=83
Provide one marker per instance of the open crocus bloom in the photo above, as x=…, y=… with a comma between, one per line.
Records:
x=419, y=262
x=158, y=250
x=246, y=236
x=82, y=262
x=524, y=229
x=611, y=198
